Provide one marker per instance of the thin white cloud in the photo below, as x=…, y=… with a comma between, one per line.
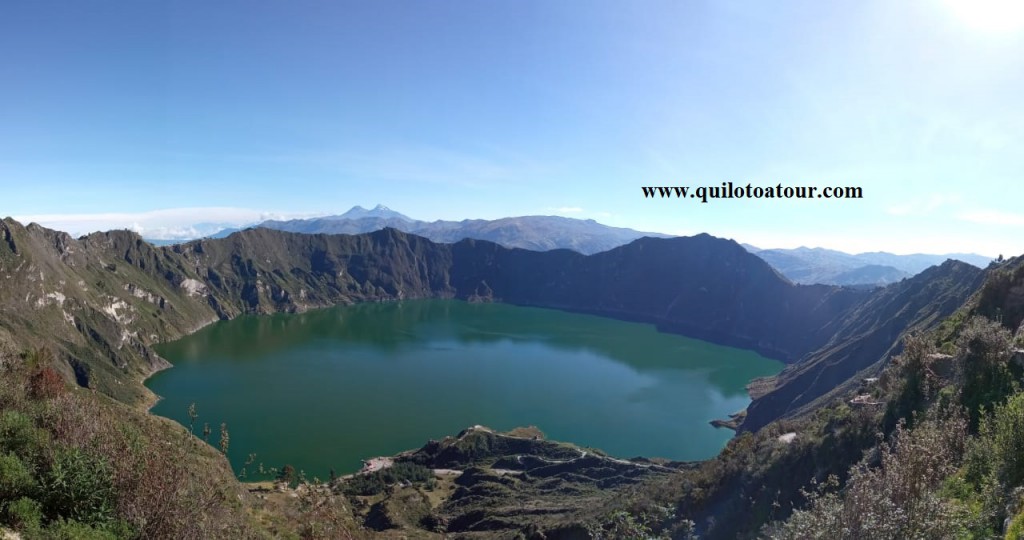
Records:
x=937, y=243
x=566, y=210
x=923, y=206
x=993, y=217
x=164, y=224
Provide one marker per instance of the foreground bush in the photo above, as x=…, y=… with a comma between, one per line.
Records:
x=74, y=464
x=894, y=495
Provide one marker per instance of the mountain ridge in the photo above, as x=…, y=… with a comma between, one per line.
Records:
x=802, y=265
x=121, y=295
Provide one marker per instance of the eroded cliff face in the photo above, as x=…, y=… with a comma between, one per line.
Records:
x=103, y=300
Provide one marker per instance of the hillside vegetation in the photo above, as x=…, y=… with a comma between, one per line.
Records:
x=74, y=464
x=901, y=416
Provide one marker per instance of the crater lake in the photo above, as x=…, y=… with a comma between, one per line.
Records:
x=328, y=388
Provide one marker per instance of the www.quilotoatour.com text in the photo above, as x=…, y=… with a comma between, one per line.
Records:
x=728, y=190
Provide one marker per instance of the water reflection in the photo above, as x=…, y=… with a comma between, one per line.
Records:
x=326, y=388
x=396, y=326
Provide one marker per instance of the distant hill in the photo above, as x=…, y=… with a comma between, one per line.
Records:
x=537, y=233
x=222, y=233
x=378, y=212
x=871, y=274
x=831, y=267
x=917, y=262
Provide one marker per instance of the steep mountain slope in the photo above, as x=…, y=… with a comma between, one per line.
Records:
x=866, y=338
x=699, y=286
x=100, y=300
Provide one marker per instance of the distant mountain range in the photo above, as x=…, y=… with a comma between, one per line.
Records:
x=537, y=233
x=543, y=233
x=818, y=265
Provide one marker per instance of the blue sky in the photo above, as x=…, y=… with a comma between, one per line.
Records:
x=162, y=115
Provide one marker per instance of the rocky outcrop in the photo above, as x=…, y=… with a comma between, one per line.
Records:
x=505, y=482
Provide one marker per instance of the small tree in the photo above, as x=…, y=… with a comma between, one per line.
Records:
x=287, y=475
x=225, y=438
x=988, y=377
x=46, y=383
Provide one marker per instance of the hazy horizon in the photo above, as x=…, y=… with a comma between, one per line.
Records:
x=206, y=229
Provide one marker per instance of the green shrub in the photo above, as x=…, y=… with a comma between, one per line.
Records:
x=25, y=514
x=979, y=459
x=1016, y=529
x=988, y=376
x=916, y=387
x=622, y=524
x=15, y=478
x=375, y=482
x=18, y=434
x=1006, y=430
x=74, y=530
x=79, y=485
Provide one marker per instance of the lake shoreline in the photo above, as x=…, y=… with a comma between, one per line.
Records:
x=630, y=360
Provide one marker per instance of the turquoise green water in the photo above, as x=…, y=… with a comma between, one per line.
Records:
x=327, y=388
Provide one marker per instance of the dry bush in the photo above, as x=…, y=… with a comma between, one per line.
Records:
x=164, y=483
x=323, y=514
x=899, y=498
x=169, y=484
x=46, y=383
